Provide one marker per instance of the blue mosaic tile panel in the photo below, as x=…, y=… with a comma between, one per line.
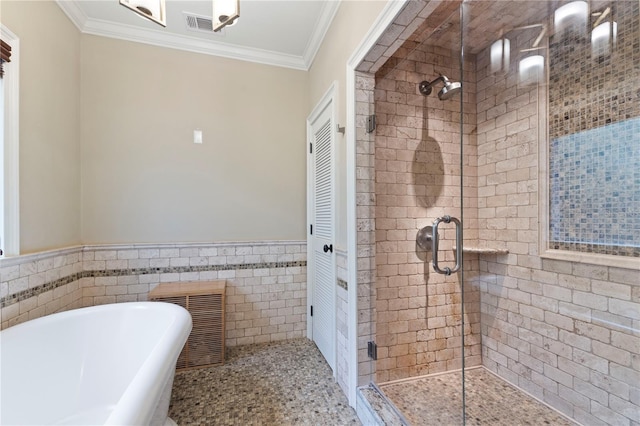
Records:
x=594, y=105
x=595, y=186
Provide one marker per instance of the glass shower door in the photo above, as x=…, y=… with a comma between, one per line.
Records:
x=417, y=297
x=555, y=106
x=493, y=116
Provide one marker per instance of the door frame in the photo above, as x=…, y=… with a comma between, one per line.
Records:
x=10, y=145
x=328, y=100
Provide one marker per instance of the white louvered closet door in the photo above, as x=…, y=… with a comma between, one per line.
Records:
x=323, y=221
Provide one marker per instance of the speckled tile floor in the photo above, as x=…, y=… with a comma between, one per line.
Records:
x=282, y=383
x=437, y=400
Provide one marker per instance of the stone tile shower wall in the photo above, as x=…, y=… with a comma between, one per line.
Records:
x=417, y=179
x=566, y=332
x=266, y=282
x=416, y=17
x=594, y=131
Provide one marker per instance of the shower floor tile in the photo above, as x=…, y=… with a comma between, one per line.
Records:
x=437, y=400
x=282, y=383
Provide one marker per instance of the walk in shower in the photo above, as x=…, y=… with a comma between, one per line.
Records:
x=499, y=213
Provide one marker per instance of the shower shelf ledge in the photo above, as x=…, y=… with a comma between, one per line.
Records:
x=483, y=250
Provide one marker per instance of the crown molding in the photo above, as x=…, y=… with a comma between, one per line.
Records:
x=191, y=44
x=329, y=10
x=74, y=13
x=159, y=38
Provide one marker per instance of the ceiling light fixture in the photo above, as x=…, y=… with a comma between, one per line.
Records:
x=225, y=13
x=574, y=14
x=603, y=38
x=500, y=55
x=531, y=70
x=154, y=10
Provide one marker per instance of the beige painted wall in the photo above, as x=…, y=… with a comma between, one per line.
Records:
x=349, y=27
x=143, y=178
x=49, y=124
x=126, y=113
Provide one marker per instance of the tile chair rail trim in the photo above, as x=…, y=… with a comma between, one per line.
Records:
x=35, y=291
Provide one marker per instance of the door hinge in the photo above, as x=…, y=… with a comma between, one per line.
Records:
x=310, y=148
x=311, y=229
x=372, y=350
x=311, y=310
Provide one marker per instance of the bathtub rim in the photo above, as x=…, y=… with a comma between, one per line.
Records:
x=137, y=403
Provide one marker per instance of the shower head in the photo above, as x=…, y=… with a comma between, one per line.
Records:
x=447, y=92
x=449, y=89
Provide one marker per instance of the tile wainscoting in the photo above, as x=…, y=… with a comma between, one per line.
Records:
x=342, y=321
x=266, y=282
x=39, y=284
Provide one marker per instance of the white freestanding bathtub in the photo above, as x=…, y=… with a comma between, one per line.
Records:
x=104, y=365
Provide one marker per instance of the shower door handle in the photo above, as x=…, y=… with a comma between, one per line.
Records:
x=435, y=242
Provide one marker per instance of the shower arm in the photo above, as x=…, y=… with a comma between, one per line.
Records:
x=426, y=86
x=442, y=78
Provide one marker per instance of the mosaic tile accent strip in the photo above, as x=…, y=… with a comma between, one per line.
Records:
x=197, y=268
x=284, y=383
x=35, y=291
x=343, y=284
x=437, y=400
x=25, y=294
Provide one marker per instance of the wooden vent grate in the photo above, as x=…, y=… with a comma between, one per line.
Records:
x=205, y=301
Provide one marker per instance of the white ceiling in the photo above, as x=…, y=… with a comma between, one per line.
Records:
x=284, y=33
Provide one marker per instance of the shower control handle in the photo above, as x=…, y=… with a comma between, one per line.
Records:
x=328, y=248
x=435, y=241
